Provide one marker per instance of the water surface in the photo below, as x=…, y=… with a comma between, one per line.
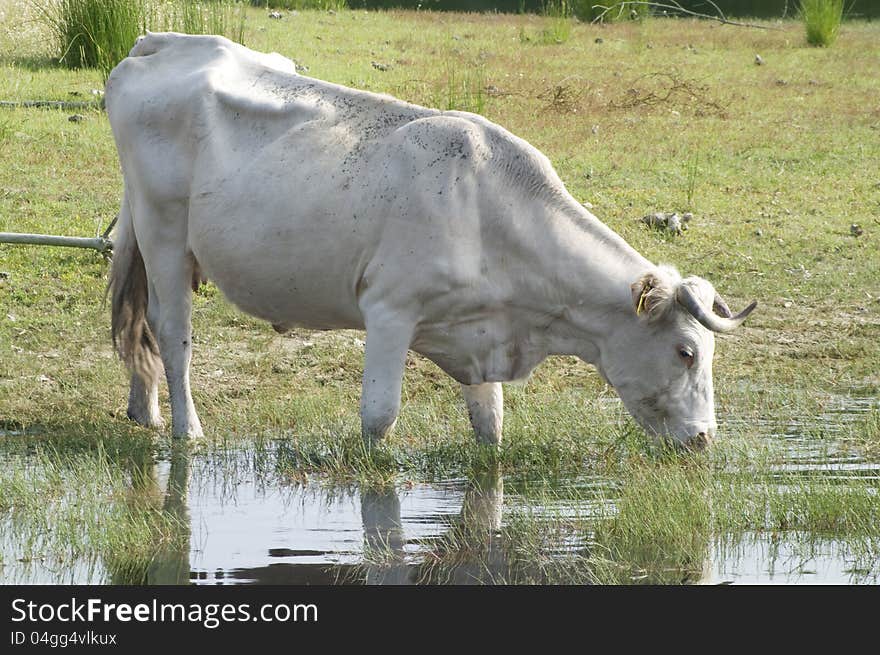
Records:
x=245, y=524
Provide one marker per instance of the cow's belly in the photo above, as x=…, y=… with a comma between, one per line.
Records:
x=283, y=295
x=278, y=268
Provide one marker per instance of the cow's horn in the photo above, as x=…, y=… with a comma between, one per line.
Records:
x=710, y=320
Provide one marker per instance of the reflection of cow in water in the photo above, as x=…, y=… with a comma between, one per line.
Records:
x=470, y=551
x=384, y=538
x=475, y=549
x=170, y=563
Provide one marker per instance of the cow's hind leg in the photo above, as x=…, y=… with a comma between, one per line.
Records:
x=385, y=356
x=173, y=286
x=143, y=397
x=170, y=268
x=485, y=403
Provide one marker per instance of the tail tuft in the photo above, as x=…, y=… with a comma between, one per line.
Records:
x=132, y=337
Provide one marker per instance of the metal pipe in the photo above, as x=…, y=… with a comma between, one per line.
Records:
x=101, y=244
x=50, y=104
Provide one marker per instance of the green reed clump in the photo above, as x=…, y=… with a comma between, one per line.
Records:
x=864, y=435
x=559, y=13
x=822, y=20
x=100, y=33
x=223, y=17
x=654, y=528
x=789, y=502
x=464, y=90
x=555, y=437
x=95, y=33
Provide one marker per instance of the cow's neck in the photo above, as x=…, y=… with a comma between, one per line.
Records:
x=585, y=284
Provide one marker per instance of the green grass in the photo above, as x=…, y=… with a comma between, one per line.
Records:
x=692, y=175
x=822, y=20
x=774, y=184
x=656, y=516
x=465, y=90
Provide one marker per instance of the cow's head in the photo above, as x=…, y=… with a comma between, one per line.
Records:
x=660, y=359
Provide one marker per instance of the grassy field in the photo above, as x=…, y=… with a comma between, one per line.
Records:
x=776, y=162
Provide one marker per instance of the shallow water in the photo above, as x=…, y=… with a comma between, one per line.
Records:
x=248, y=532
x=764, y=559
x=246, y=525
x=809, y=443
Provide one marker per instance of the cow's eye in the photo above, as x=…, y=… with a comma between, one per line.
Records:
x=687, y=356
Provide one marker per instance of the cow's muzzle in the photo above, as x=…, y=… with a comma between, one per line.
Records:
x=699, y=442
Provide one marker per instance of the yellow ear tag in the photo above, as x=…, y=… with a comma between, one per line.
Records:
x=642, y=300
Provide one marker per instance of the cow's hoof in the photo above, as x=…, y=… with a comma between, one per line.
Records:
x=375, y=429
x=152, y=422
x=489, y=440
x=372, y=441
x=191, y=434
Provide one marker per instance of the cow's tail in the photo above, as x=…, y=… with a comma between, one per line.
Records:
x=129, y=293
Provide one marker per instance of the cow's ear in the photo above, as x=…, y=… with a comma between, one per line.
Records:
x=641, y=288
x=650, y=295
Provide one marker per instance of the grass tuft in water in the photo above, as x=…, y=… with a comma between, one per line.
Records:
x=660, y=523
x=63, y=508
x=659, y=519
x=864, y=435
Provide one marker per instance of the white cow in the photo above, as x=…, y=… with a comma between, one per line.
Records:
x=312, y=204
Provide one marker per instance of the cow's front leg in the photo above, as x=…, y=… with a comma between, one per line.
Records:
x=172, y=282
x=485, y=403
x=385, y=355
